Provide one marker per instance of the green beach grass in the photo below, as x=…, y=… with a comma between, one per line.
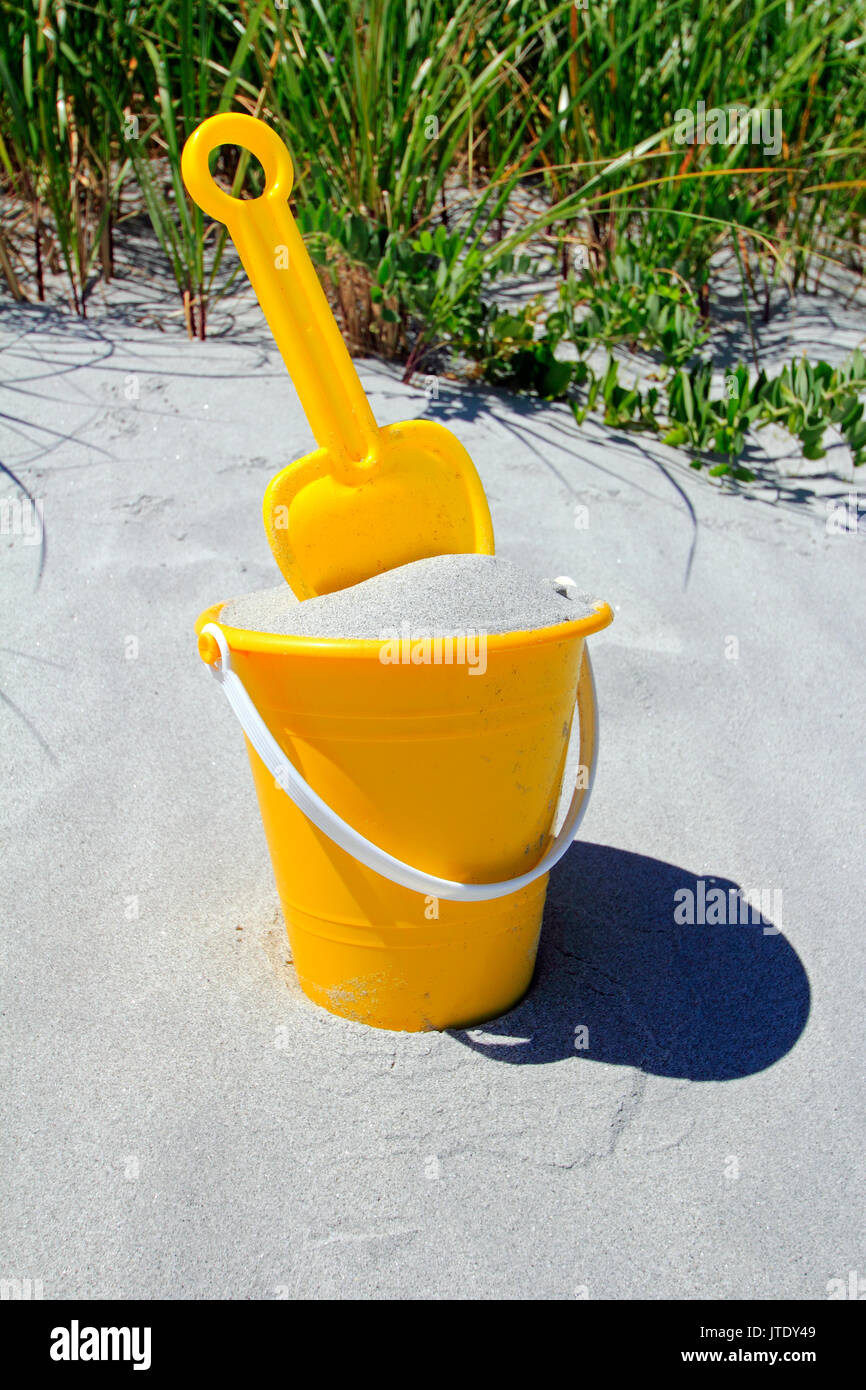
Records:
x=439, y=148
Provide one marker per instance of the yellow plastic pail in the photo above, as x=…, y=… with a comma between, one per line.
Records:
x=408, y=800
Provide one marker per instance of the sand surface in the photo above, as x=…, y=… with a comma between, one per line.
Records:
x=179, y=1121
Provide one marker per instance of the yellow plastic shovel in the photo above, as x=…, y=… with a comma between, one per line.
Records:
x=368, y=499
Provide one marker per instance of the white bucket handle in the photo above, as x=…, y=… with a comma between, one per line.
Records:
x=288, y=778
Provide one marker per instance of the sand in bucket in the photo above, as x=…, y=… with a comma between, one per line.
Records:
x=451, y=593
x=448, y=755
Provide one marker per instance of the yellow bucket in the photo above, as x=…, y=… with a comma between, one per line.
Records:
x=453, y=772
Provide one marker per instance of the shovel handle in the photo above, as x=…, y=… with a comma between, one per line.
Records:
x=286, y=284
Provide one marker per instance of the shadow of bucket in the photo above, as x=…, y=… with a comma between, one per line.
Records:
x=454, y=770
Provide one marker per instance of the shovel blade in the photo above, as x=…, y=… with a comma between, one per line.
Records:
x=329, y=528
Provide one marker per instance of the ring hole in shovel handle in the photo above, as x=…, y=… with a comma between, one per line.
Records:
x=234, y=128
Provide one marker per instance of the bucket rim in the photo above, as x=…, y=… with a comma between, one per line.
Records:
x=246, y=640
